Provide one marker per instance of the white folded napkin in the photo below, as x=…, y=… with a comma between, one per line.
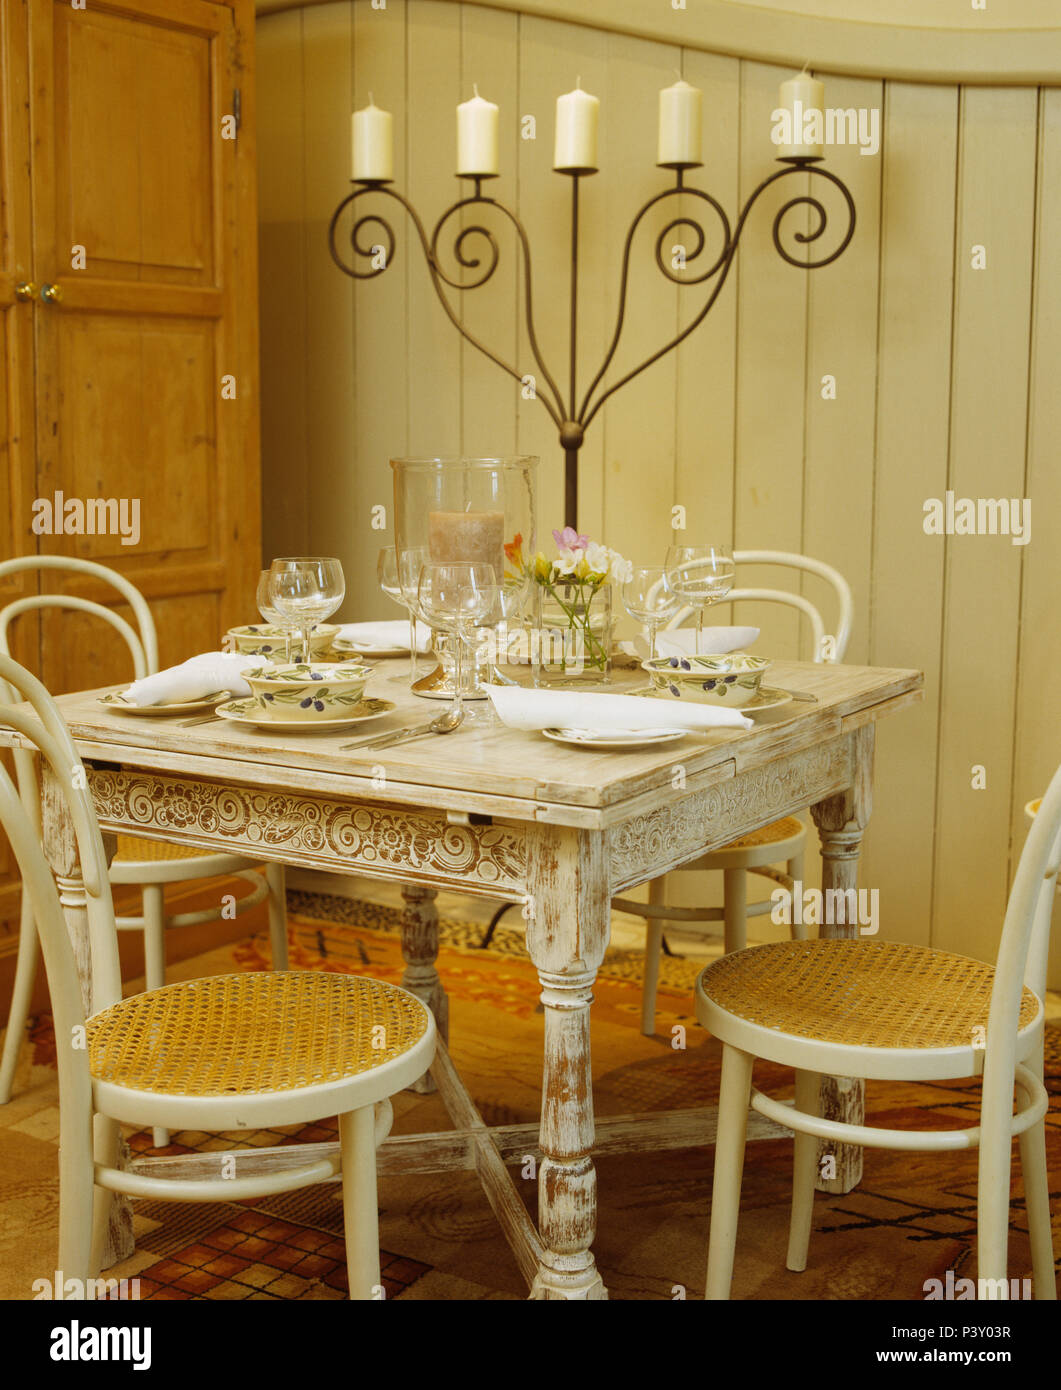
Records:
x=194, y=679
x=681, y=641
x=384, y=637
x=563, y=709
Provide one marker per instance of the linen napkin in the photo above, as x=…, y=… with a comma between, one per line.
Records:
x=563, y=709
x=681, y=641
x=194, y=679
x=386, y=636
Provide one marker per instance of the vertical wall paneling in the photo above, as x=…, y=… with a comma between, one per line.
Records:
x=1037, y=745
x=489, y=50
x=329, y=359
x=989, y=408
x=913, y=420
x=842, y=344
x=384, y=371
x=282, y=237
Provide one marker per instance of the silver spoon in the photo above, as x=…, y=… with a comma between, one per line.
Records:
x=446, y=722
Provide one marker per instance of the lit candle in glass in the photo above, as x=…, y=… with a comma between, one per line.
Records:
x=473, y=538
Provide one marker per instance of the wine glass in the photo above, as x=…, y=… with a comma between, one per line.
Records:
x=388, y=572
x=306, y=590
x=270, y=614
x=650, y=597
x=701, y=575
x=456, y=598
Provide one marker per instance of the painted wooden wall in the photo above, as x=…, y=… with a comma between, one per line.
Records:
x=943, y=375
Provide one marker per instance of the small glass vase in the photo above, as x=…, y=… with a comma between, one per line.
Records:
x=572, y=638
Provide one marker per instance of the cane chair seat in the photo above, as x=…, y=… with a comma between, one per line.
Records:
x=132, y=848
x=252, y=1033
x=780, y=830
x=856, y=994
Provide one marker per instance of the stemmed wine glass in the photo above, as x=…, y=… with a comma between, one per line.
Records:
x=650, y=597
x=457, y=598
x=700, y=575
x=388, y=572
x=270, y=614
x=306, y=590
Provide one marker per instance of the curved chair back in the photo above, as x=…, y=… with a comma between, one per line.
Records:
x=828, y=647
x=43, y=729
x=141, y=640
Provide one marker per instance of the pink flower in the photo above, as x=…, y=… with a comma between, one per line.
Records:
x=569, y=539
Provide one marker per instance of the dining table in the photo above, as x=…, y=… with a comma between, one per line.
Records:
x=506, y=815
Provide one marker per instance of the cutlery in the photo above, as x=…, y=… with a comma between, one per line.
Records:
x=446, y=722
x=201, y=719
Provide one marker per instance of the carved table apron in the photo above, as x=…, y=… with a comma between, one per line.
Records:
x=492, y=812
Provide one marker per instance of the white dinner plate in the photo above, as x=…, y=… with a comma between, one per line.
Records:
x=341, y=644
x=248, y=713
x=614, y=738
x=115, y=703
x=769, y=697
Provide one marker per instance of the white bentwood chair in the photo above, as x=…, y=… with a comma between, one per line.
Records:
x=782, y=842
x=149, y=864
x=893, y=1012
x=225, y=1053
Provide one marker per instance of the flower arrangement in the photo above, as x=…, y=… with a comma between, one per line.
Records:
x=570, y=582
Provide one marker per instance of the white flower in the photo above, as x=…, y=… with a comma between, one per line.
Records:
x=622, y=570
x=598, y=558
x=566, y=561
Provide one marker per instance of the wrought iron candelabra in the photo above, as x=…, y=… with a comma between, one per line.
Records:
x=574, y=413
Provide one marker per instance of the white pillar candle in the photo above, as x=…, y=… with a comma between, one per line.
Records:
x=477, y=141
x=577, y=115
x=373, y=132
x=681, y=125
x=803, y=97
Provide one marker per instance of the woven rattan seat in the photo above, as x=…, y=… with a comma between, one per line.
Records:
x=783, y=829
x=243, y=1034
x=859, y=993
x=132, y=849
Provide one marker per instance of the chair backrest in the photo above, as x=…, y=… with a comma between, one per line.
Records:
x=43, y=728
x=141, y=640
x=828, y=647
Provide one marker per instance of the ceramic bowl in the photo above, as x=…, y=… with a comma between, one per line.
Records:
x=733, y=679
x=263, y=639
x=322, y=690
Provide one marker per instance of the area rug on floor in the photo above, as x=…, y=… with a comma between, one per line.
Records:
x=912, y=1218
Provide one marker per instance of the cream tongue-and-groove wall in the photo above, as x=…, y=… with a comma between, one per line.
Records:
x=945, y=374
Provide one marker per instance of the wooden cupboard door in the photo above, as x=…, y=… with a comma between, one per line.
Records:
x=144, y=216
x=17, y=482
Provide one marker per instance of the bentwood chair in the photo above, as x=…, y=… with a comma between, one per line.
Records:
x=893, y=1012
x=760, y=852
x=227, y=1053
x=148, y=864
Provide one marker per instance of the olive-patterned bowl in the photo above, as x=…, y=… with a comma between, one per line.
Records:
x=732, y=679
x=316, y=691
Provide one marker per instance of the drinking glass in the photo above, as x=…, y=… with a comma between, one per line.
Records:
x=270, y=614
x=649, y=596
x=456, y=598
x=700, y=575
x=388, y=572
x=305, y=590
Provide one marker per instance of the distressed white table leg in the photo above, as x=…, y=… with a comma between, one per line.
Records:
x=60, y=847
x=841, y=821
x=567, y=932
x=420, y=952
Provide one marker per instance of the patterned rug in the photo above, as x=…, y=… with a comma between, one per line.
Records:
x=912, y=1218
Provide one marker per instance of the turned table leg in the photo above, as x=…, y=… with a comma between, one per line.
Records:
x=60, y=847
x=841, y=821
x=420, y=952
x=567, y=932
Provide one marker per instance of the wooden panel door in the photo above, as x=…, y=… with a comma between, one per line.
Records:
x=144, y=216
x=17, y=481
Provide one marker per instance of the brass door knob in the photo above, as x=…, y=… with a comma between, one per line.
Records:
x=52, y=294
x=25, y=290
